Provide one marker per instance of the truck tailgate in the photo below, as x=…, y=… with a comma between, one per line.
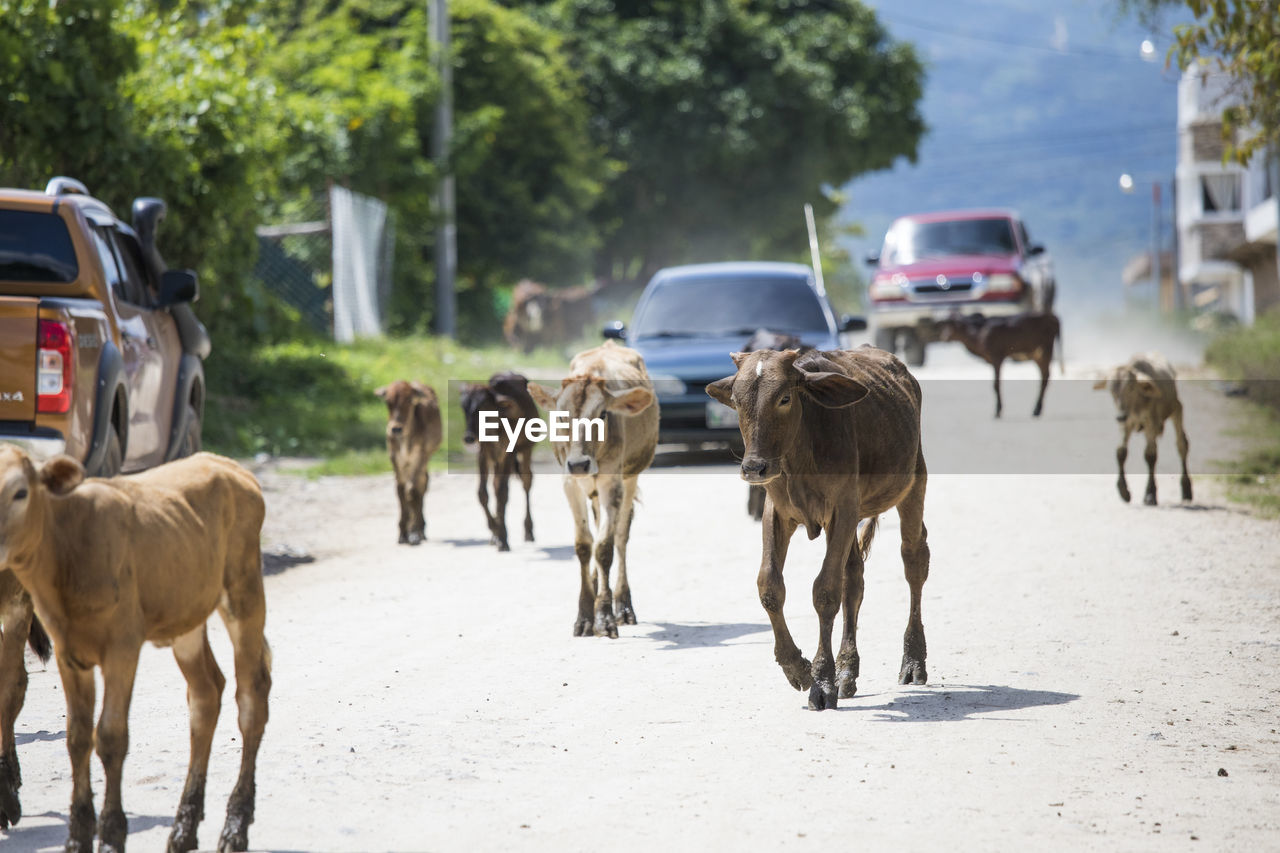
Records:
x=18, y=330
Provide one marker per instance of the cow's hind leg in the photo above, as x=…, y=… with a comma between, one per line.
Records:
x=119, y=667
x=1044, y=358
x=204, y=700
x=525, y=466
x=1122, y=453
x=501, y=491
x=915, y=564
x=828, y=594
x=417, y=492
x=1149, y=454
x=403, y=498
x=776, y=533
x=1183, y=446
x=79, y=689
x=244, y=612
x=623, y=611
x=582, y=625
x=848, y=662
x=999, y=402
x=15, y=617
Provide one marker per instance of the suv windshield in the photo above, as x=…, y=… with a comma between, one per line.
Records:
x=727, y=305
x=914, y=241
x=35, y=247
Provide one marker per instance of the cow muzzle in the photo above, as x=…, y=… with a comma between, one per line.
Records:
x=580, y=466
x=758, y=471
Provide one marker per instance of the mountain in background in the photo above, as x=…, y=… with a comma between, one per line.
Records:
x=1037, y=106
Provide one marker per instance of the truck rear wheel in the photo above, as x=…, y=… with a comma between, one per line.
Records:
x=191, y=438
x=913, y=350
x=112, y=458
x=885, y=339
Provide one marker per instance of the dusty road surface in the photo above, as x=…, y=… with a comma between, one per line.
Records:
x=1101, y=676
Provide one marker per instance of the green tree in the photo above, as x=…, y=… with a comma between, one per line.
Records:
x=724, y=116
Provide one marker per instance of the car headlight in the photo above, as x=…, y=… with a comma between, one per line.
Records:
x=668, y=386
x=892, y=287
x=1003, y=282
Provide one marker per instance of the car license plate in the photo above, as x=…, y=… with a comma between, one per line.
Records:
x=720, y=416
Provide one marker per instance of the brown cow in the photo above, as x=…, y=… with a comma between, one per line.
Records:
x=111, y=564
x=1145, y=392
x=414, y=433
x=507, y=394
x=1021, y=337
x=541, y=316
x=826, y=464
x=608, y=382
x=20, y=627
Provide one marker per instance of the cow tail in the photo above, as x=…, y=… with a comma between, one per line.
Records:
x=868, y=533
x=39, y=640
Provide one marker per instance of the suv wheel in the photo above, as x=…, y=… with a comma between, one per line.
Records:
x=191, y=440
x=1047, y=297
x=913, y=350
x=885, y=339
x=113, y=458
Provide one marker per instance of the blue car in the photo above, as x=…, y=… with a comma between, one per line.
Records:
x=690, y=318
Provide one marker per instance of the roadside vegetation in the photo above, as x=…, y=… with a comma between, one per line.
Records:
x=1251, y=356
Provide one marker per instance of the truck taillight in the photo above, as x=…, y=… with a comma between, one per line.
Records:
x=53, y=371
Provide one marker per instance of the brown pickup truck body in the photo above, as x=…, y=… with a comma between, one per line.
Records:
x=101, y=356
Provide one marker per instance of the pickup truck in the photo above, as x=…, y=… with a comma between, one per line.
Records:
x=101, y=355
x=933, y=265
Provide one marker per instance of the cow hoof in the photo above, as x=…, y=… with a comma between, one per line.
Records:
x=10, y=806
x=912, y=672
x=822, y=696
x=403, y=540
x=625, y=615
x=528, y=537
x=1186, y=491
x=799, y=672
x=1124, y=493
x=503, y=546
x=848, y=683
x=1149, y=499
x=235, y=836
x=605, y=626
x=414, y=539
x=583, y=628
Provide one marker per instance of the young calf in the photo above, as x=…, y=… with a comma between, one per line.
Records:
x=413, y=434
x=608, y=382
x=834, y=437
x=507, y=394
x=111, y=564
x=1145, y=392
x=1021, y=337
x=765, y=339
x=20, y=627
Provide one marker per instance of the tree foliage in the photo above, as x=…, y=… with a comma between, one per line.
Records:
x=723, y=117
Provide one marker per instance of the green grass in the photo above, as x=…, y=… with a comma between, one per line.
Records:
x=315, y=398
x=1252, y=357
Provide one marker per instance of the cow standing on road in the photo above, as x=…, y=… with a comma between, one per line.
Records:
x=1145, y=392
x=765, y=339
x=608, y=382
x=1021, y=337
x=834, y=437
x=414, y=433
x=507, y=395
x=540, y=316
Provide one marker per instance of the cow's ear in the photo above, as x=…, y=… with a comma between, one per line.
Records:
x=833, y=390
x=542, y=396
x=61, y=474
x=630, y=402
x=1100, y=384
x=382, y=392
x=738, y=358
x=722, y=390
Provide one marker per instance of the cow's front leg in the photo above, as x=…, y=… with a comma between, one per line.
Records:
x=773, y=595
x=483, y=493
x=1122, y=453
x=828, y=594
x=16, y=617
x=79, y=689
x=1043, y=361
x=999, y=402
x=848, y=662
x=417, y=517
x=915, y=564
x=582, y=625
x=611, y=491
x=526, y=480
x=501, y=490
x=112, y=737
x=1183, y=447
x=623, y=611
x=404, y=509
x=1149, y=454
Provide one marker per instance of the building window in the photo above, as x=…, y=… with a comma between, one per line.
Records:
x=1220, y=193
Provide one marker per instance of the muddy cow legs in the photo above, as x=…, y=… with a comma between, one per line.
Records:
x=773, y=595
x=611, y=490
x=501, y=491
x=1043, y=360
x=79, y=689
x=15, y=616
x=244, y=618
x=1183, y=447
x=582, y=625
x=915, y=564
x=118, y=670
x=205, y=683
x=999, y=403
x=623, y=611
x=1122, y=453
x=1149, y=454
x=828, y=594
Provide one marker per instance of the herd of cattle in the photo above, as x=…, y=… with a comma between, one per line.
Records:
x=831, y=440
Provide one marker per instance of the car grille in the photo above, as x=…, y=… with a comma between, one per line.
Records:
x=929, y=288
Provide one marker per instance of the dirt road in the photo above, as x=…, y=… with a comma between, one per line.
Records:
x=1092, y=667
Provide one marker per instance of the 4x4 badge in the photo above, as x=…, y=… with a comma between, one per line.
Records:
x=10, y=396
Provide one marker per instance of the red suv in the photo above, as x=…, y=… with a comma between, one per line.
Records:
x=934, y=265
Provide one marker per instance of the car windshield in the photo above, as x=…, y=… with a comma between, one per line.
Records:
x=730, y=305
x=914, y=241
x=35, y=247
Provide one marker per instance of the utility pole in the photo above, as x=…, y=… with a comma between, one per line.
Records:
x=1155, y=238
x=446, y=224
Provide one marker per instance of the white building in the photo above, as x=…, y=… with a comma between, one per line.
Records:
x=1226, y=213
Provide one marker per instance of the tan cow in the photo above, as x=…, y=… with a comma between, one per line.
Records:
x=414, y=433
x=608, y=382
x=834, y=438
x=543, y=316
x=20, y=627
x=111, y=564
x=1145, y=391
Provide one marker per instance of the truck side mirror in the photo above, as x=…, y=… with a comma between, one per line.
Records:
x=1036, y=249
x=872, y=259
x=177, y=286
x=617, y=330
x=850, y=323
